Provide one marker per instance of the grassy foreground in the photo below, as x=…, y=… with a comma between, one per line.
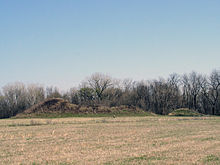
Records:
x=107, y=140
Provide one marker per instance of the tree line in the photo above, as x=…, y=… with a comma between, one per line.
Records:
x=194, y=91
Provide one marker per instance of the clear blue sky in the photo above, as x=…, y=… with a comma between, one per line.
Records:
x=60, y=42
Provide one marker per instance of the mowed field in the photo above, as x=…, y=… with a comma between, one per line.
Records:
x=107, y=140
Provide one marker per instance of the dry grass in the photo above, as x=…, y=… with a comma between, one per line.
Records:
x=124, y=140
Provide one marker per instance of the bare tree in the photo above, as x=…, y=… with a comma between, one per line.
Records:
x=162, y=97
x=211, y=90
x=72, y=96
x=15, y=97
x=35, y=94
x=142, y=91
x=191, y=89
x=128, y=84
x=53, y=92
x=4, y=110
x=173, y=82
x=99, y=83
x=112, y=96
x=86, y=96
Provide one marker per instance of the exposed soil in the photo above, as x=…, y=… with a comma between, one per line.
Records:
x=58, y=105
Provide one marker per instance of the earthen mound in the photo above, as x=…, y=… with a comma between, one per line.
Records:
x=184, y=112
x=52, y=105
x=59, y=107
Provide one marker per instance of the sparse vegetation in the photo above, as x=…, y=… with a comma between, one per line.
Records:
x=212, y=159
x=108, y=140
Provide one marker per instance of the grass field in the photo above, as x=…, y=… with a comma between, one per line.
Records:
x=106, y=140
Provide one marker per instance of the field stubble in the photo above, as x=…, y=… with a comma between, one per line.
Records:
x=105, y=140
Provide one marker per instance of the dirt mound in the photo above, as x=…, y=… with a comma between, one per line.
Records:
x=184, y=112
x=52, y=105
x=61, y=106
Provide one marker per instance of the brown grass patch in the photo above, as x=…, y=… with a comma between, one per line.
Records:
x=124, y=140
